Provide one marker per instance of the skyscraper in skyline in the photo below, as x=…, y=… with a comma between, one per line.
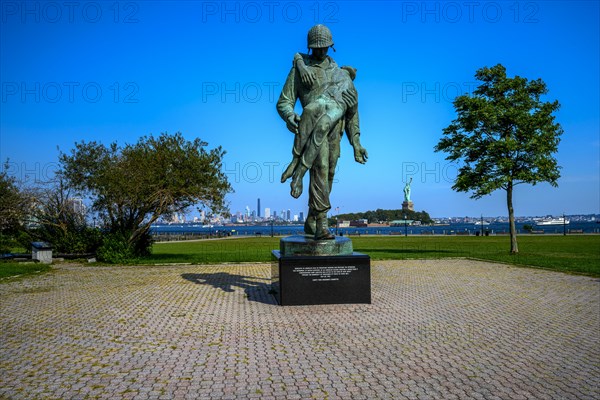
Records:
x=258, y=208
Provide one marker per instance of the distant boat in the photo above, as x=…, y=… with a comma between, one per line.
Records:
x=481, y=223
x=553, y=221
x=208, y=226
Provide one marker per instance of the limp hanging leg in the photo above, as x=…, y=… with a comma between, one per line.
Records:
x=296, y=185
x=289, y=171
x=310, y=153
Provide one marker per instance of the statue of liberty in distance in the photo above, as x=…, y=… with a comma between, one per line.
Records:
x=329, y=107
x=407, y=191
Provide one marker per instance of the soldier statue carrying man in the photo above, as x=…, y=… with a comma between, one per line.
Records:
x=329, y=107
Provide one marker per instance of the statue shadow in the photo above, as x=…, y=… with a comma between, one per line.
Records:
x=256, y=289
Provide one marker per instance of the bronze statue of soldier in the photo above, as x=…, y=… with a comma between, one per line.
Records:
x=329, y=107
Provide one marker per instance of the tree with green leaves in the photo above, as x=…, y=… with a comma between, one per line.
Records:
x=57, y=217
x=132, y=186
x=504, y=135
x=14, y=204
x=380, y=215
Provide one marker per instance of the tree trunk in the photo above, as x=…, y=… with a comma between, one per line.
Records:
x=514, y=249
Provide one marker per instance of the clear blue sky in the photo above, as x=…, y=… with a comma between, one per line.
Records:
x=109, y=71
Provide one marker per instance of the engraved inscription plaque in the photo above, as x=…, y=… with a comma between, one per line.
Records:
x=308, y=280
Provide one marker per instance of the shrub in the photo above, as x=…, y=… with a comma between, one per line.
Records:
x=115, y=249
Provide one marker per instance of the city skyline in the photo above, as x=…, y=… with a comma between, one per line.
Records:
x=334, y=212
x=140, y=68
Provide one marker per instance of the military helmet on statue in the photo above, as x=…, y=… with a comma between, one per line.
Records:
x=319, y=36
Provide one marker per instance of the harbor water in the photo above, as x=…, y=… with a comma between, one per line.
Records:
x=191, y=231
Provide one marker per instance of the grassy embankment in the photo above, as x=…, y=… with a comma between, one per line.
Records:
x=578, y=254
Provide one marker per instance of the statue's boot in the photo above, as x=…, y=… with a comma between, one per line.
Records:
x=322, y=231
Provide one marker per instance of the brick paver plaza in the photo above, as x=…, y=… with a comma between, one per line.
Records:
x=436, y=329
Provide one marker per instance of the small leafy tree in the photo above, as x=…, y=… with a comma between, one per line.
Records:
x=133, y=186
x=505, y=135
x=56, y=216
x=14, y=204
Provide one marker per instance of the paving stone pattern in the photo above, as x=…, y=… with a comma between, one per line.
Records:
x=437, y=329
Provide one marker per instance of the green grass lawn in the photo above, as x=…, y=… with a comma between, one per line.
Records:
x=578, y=254
x=8, y=268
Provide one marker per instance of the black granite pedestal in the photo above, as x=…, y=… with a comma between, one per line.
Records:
x=302, y=276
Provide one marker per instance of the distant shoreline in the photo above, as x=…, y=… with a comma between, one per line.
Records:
x=190, y=232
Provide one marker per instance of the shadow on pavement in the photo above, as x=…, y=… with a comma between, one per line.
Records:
x=256, y=289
